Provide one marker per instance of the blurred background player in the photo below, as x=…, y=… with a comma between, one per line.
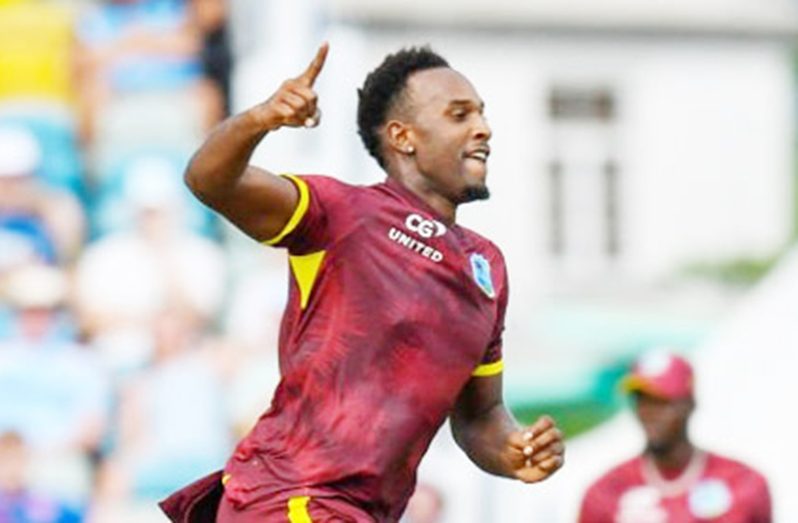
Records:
x=673, y=480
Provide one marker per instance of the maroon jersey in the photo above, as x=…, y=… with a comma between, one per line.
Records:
x=712, y=488
x=390, y=313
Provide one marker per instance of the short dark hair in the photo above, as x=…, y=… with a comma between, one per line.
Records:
x=383, y=87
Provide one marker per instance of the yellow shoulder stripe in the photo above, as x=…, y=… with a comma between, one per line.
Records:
x=298, y=510
x=299, y=212
x=488, y=369
x=306, y=269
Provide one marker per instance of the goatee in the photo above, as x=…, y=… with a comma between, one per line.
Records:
x=474, y=193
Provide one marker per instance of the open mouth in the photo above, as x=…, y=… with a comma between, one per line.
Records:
x=481, y=154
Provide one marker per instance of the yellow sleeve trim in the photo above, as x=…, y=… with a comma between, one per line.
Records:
x=298, y=510
x=299, y=212
x=488, y=369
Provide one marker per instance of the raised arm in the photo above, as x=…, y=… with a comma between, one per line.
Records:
x=493, y=440
x=255, y=200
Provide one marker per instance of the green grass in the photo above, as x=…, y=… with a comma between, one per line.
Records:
x=578, y=414
x=572, y=418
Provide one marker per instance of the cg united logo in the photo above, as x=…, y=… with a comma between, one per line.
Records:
x=423, y=227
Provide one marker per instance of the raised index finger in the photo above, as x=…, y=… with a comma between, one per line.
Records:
x=309, y=76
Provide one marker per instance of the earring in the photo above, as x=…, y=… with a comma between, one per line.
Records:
x=411, y=150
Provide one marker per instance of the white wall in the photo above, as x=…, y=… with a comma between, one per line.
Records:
x=709, y=140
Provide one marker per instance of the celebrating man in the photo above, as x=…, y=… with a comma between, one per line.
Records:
x=395, y=314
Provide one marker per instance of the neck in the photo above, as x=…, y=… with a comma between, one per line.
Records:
x=674, y=457
x=670, y=485
x=416, y=183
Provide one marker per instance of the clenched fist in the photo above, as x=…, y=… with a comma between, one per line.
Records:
x=536, y=452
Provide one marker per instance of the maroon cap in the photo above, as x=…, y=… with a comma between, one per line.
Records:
x=660, y=373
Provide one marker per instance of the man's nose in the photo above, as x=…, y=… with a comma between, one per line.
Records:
x=482, y=129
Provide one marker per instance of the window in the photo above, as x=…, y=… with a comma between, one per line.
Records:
x=583, y=180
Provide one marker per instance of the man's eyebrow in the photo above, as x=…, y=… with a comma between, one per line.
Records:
x=468, y=102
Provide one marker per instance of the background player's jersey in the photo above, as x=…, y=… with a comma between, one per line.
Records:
x=725, y=491
x=390, y=313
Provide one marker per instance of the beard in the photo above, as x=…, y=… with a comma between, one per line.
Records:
x=474, y=193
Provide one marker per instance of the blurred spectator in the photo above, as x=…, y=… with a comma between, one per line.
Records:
x=172, y=421
x=425, y=506
x=131, y=47
x=18, y=504
x=36, y=294
x=140, y=61
x=673, y=480
x=53, y=392
x=36, y=223
x=117, y=199
x=210, y=19
x=125, y=279
x=53, y=127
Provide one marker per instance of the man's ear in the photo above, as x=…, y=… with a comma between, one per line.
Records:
x=399, y=137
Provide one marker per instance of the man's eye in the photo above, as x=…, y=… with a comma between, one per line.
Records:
x=459, y=115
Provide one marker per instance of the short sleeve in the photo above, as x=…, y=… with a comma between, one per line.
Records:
x=320, y=213
x=492, y=362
